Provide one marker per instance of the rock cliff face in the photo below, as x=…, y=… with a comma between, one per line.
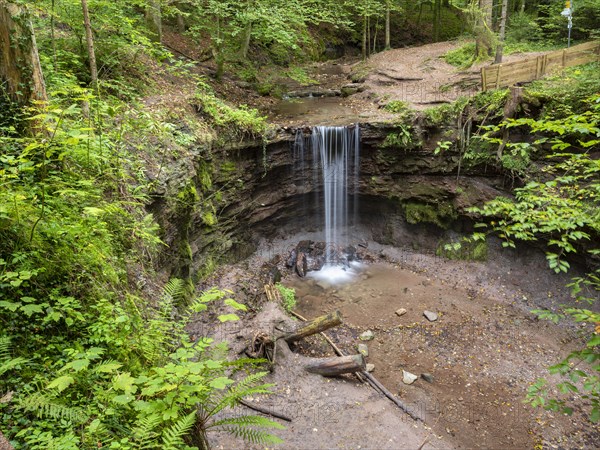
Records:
x=232, y=197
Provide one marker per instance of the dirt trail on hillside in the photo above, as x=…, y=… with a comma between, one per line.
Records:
x=418, y=76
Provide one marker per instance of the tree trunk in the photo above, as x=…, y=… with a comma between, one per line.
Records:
x=387, y=26
x=314, y=326
x=20, y=71
x=500, y=47
x=90, y=44
x=364, y=37
x=483, y=30
x=154, y=20
x=331, y=367
x=246, y=41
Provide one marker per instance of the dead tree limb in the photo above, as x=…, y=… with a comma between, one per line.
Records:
x=265, y=410
x=314, y=326
x=338, y=365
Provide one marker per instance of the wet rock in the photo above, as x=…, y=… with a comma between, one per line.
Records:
x=370, y=367
x=408, y=378
x=304, y=246
x=350, y=252
x=291, y=261
x=400, y=312
x=427, y=377
x=430, y=315
x=363, y=349
x=323, y=284
x=367, y=336
x=274, y=275
x=301, y=265
x=316, y=263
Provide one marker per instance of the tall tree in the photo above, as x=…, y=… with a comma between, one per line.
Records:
x=89, y=37
x=154, y=19
x=20, y=71
x=500, y=46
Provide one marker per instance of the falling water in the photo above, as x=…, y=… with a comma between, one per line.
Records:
x=335, y=151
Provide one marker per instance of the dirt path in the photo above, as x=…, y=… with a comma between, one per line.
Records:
x=418, y=76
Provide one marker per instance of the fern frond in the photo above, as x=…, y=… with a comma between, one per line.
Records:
x=248, y=421
x=253, y=436
x=243, y=388
x=11, y=364
x=45, y=406
x=144, y=433
x=4, y=347
x=173, y=291
x=173, y=436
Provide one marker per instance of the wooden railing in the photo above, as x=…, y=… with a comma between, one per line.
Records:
x=502, y=75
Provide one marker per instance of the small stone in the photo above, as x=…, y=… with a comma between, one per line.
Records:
x=431, y=316
x=408, y=378
x=427, y=377
x=367, y=336
x=370, y=367
x=400, y=312
x=363, y=350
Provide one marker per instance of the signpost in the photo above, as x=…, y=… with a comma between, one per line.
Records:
x=568, y=13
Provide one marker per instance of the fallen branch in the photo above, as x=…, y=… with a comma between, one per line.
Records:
x=314, y=326
x=370, y=378
x=336, y=349
x=338, y=365
x=266, y=411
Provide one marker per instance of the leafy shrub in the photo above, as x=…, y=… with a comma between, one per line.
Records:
x=288, y=296
x=461, y=57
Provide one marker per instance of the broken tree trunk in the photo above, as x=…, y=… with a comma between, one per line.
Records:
x=331, y=367
x=314, y=326
x=20, y=71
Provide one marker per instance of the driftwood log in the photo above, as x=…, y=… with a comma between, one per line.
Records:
x=314, y=326
x=331, y=367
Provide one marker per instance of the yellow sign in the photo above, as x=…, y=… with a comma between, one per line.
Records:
x=568, y=4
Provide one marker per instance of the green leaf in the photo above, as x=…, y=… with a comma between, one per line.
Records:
x=228, y=317
x=61, y=383
x=30, y=310
x=220, y=383
x=231, y=302
x=11, y=306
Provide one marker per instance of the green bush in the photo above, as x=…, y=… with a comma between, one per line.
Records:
x=288, y=297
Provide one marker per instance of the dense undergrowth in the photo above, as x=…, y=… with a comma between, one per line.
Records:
x=88, y=357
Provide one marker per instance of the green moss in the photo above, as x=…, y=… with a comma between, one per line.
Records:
x=441, y=214
x=464, y=249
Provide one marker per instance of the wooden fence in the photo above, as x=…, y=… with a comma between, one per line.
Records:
x=502, y=75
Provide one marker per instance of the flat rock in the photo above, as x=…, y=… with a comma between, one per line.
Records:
x=363, y=349
x=370, y=367
x=367, y=336
x=430, y=315
x=400, y=312
x=408, y=378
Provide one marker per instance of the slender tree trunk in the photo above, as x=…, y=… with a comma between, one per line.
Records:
x=364, y=37
x=90, y=44
x=20, y=70
x=180, y=23
x=246, y=40
x=387, y=26
x=154, y=19
x=483, y=30
x=500, y=47
x=436, y=21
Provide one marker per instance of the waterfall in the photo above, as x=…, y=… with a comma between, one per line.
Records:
x=335, y=155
